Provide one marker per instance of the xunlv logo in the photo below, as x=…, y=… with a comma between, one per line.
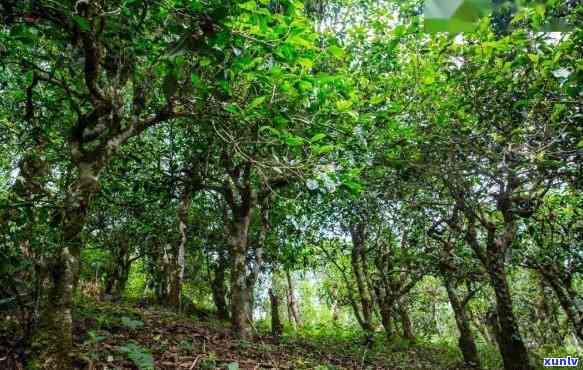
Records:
x=561, y=361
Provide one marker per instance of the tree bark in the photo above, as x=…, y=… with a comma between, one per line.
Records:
x=159, y=279
x=118, y=271
x=250, y=298
x=276, y=326
x=509, y=339
x=291, y=300
x=568, y=300
x=54, y=335
x=335, y=312
x=238, y=243
x=334, y=305
x=385, y=309
x=406, y=323
x=390, y=289
x=512, y=347
x=546, y=315
x=466, y=340
x=252, y=276
x=387, y=319
x=219, y=289
x=481, y=327
x=493, y=326
x=117, y=280
x=358, y=262
x=177, y=260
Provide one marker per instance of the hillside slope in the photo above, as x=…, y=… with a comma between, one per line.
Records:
x=128, y=336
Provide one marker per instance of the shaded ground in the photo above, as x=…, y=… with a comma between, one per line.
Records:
x=122, y=336
x=132, y=336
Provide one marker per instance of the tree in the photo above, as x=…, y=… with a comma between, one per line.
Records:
x=492, y=173
x=454, y=270
x=96, y=95
x=555, y=234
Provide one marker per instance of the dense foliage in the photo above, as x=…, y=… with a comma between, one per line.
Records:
x=305, y=169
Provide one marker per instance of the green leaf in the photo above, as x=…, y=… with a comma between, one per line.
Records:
x=231, y=108
x=29, y=77
x=317, y=137
x=354, y=186
x=256, y=102
x=377, y=99
x=353, y=114
x=131, y=323
x=139, y=356
x=82, y=23
x=249, y=5
x=299, y=41
x=305, y=86
x=323, y=149
x=233, y=366
x=196, y=6
x=293, y=140
x=272, y=130
x=280, y=120
x=336, y=51
x=428, y=79
x=196, y=81
x=343, y=105
x=305, y=62
x=399, y=30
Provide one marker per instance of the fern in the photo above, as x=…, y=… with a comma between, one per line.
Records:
x=131, y=323
x=139, y=356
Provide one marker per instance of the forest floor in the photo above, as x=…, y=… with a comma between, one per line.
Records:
x=128, y=336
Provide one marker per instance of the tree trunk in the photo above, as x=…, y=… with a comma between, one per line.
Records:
x=483, y=330
x=118, y=271
x=177, y=260
x=510, y=343
x=290, y=316
x=253, y=275
x=406, y=323
x=291, y=300
x=385, y=309
x=122, y=281
x=117, y=280
x=493, y=326
x=546, y=315
x=219, y=289
x=358, y=234
x=466, y=340
x=250, y=299
x=238, y=243
x=54, y=335
x=334, y=308
x=386, y=318
x=276, y=326
x=335, y=312
x=251, y=279
x=159, y=278
x=568, y=300
x=512, y=347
